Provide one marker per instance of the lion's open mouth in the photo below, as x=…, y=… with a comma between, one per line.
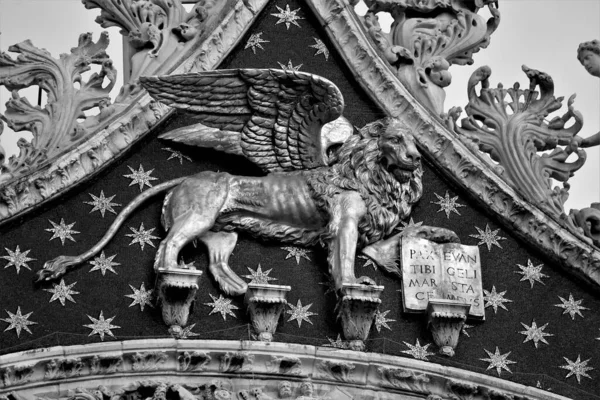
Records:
x=402, y=173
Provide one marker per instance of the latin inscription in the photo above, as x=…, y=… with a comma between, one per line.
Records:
x=441, y=271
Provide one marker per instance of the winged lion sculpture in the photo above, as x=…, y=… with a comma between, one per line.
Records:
x=345, y=197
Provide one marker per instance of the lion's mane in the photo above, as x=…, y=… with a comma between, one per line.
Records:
x=359, y=169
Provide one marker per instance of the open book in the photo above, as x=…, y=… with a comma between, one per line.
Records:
x=448, y=271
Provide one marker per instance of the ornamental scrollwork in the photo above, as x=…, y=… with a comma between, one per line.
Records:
x=427, y=37
x=157, y=30
x=510, y=125
x=61, y=124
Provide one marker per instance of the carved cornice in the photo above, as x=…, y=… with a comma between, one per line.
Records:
x=236, y=366
x=133, y=116
x=448, y=154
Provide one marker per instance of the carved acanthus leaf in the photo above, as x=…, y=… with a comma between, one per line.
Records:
x=426, y=37
x=156, y=29
x=509, y=125
x=55, y=127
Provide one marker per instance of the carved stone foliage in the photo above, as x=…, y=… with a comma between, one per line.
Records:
x=509, y=125
x=427, y=37
x=179, y=373
x=165, y=38
x=62, y=123
x=588, y=219
x=157, y=30
x=451, y=157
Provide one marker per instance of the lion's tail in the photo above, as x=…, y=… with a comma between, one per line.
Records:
x=114, y=227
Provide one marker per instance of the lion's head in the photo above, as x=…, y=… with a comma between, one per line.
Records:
x=383, y=164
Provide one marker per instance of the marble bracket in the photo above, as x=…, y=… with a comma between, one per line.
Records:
x=265, y=304
x=356, y=309
x=445, y=320
x=176, y=288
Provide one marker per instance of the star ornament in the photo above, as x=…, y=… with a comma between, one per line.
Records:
x=140, y=296
x=222, y=306
x=18, y=321
x=259, y=277
x=296, y=252
x=531, y=273
x=142, y=236
x=103, y=264
x=417, y=351
x=140, y=177
x=289, y=66
x=535, y=333
x=321, y=48
x=62, y=231
x=17, y=259
x=300, y=313
x=495, y=299
x=578, y=368
x=488, y=237
x=572, y=307
x=255, y=41
x=176, y=155
x=287, y=16
x=498, y=361
x=381, y=320
x=102, y=204
x=447, y=204
x=101, y=326
x=62, y=292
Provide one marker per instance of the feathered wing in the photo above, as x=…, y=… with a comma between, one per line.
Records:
x=272, y=117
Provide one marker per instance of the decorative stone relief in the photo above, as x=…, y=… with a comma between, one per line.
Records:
x=445, y=319
x=157, y=30
x=106, y=365
x=285, y=365
x=118, y=125
x=427, y=37
x=454, y=159
x=194, y=361
x=404, y=379
x=336, y=374
x=61, y=124
x=236, y=362
x=357, y=308
x=265, y=303
x=176, y=288
x=338, y=370
x=17, y=374
x=148, y=361
x=588, y=220
x=514, y=138
x=65, y=368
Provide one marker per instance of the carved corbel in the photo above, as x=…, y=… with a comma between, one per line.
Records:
x=357, y=308
x=445, y=320
x=176, y=288
x=265, y=303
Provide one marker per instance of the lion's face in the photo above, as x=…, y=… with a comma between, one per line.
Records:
x=399, y=154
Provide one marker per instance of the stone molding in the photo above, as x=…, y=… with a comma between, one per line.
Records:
x=137, y=116
x=57, y=371
x=451, y=156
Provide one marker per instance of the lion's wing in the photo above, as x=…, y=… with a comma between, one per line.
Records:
x=278, y=114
